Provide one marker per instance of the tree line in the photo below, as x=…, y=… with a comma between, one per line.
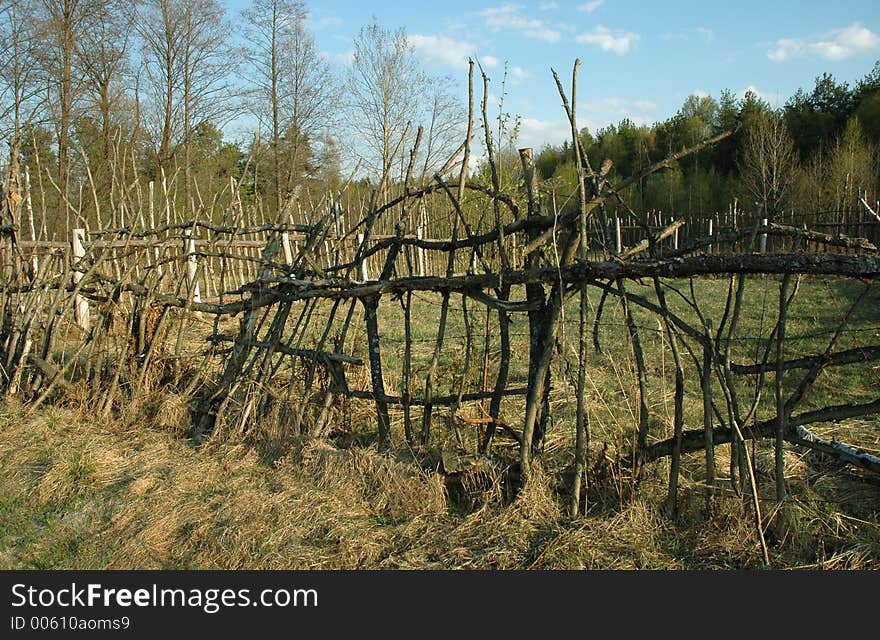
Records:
x=101, y=97
x=97, y=95
x=817, y=153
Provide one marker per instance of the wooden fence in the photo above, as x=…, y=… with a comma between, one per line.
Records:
x=286, y=345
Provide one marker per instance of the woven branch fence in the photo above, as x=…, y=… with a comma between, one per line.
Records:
x=283, y=327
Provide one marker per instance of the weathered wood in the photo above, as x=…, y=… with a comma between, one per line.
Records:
x=509, y=306
x=374, y=348
x=781, y=414
x=582, y=164
x=538, y=316
x=694, y=439
x=839, y=450
x=49, y=370
x=706, y=388
x=850, y=356
x=80, y=303
x=427, y=413
x=813, y=373
x=639, y=357
x=501, y=378
x=192, y=265
x=678, y=411
x=278, y=289
x=645, y=244
x=305, y=353
x=774, y=229
x=448, y=400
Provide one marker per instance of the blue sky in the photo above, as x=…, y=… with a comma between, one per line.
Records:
x=639, y=59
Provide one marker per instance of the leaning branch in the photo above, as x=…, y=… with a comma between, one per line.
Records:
x=694, y=440
x=850, y=356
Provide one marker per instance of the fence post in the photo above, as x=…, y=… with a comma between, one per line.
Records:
x=192, y=264
x=29, y=208
x=363, y=271
x=762, y=240
x=709, y=248
x=285, y=245
x=420, y=234
x=513, y=254
x=80, y=304
x=618, y=237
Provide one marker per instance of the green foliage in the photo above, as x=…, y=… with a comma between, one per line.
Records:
x=825, y=124
x=867, y=104
x=849, y=166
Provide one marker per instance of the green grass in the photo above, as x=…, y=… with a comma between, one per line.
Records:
x=79, y=492
x=813, y=315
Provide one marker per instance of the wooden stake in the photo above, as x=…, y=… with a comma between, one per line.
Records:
x=80, y=304
x=192, y=265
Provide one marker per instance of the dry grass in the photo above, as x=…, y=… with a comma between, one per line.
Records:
x=76, y=493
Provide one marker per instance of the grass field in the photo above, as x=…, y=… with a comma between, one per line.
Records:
x=131, y=491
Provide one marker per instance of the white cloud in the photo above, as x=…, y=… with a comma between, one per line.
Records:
x=442, y=51
x=319, y=20
x=703, y=34
x=773, y=99
x=615, y=109
x=617, y=41
x=536, y=133
x=786, y=48
x=837, y=44
x=518, y=75
x=490, y=62
x=509, y=16
x=590, y=7
x=548, y=6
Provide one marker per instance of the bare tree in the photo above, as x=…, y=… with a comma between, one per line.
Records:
x=292, y=85
x=266, y=22
x=18, y=90
x=60, y=25
x=159, y=30
x=850, y=168
x=309, y=98
x=102, y=54
x=444, y=119
x=189, y=63
x=384, y=86
x=768, y=164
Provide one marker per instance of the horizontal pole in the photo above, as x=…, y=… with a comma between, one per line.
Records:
x=694, y=439
x=439, y=400
x=850, y=356
x=273, y=290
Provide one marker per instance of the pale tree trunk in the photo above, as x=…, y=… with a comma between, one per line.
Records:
x=276, y=133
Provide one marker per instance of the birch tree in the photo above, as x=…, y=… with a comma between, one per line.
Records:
x=767, y=164
x=19, y=92
x=384, y=86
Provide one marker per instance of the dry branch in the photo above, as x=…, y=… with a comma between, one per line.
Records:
x=694, y=440
x=850, y=356
x=292, y=289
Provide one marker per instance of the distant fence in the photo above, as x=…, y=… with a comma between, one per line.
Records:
x=218, y=260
